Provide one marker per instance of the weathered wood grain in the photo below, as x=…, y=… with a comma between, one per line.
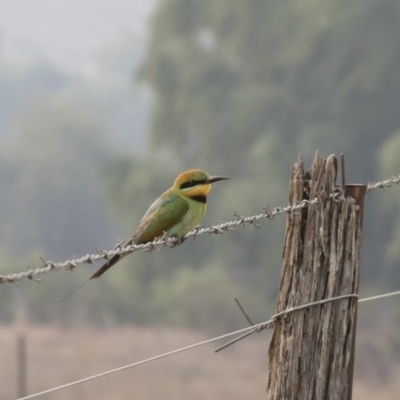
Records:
x=311, y=354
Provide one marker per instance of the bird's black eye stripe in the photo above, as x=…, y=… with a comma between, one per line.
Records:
x=200, y=199
x=191, y=183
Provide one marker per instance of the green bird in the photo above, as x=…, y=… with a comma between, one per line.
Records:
x=176, y=212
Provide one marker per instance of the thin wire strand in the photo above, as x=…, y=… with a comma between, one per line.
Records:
x=147, y=360
x=269, y=324
x=380, y=296
x=170, y=242
x=170, y=353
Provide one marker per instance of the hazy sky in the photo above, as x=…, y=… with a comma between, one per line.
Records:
x=68, y=33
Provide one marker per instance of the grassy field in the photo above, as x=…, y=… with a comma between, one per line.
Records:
x=57, y=356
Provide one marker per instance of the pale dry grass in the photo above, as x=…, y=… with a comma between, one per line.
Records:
x=57, y=356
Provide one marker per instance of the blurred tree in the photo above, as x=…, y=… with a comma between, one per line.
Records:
x=224, y=73
x=240, y=88
x=20, y=85
x=126, y=102
x=313, y=75
x=389, y=163
x=49, y=181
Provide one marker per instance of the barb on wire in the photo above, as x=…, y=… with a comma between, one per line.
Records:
x=172, y=242
x=243, y=311
x=252, y=329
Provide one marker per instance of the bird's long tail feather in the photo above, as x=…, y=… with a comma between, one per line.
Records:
x=112, y=261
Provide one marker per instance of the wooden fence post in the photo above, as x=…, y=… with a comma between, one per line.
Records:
x=21, y=365
x=21, y=338
x=311, y=355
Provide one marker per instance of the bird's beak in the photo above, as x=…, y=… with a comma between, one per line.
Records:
x=212, y=179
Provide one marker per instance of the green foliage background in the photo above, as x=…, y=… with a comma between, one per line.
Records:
x=238, y=88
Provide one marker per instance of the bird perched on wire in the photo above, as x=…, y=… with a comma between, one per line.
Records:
x=175, y=212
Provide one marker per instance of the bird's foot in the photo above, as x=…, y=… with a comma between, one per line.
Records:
x=179, y=241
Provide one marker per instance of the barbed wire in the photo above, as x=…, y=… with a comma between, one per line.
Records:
x=219, y=229
x=158, y=243
x=252, y=329
x=394, y=180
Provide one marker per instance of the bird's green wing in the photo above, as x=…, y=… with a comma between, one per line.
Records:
x=163, y=214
